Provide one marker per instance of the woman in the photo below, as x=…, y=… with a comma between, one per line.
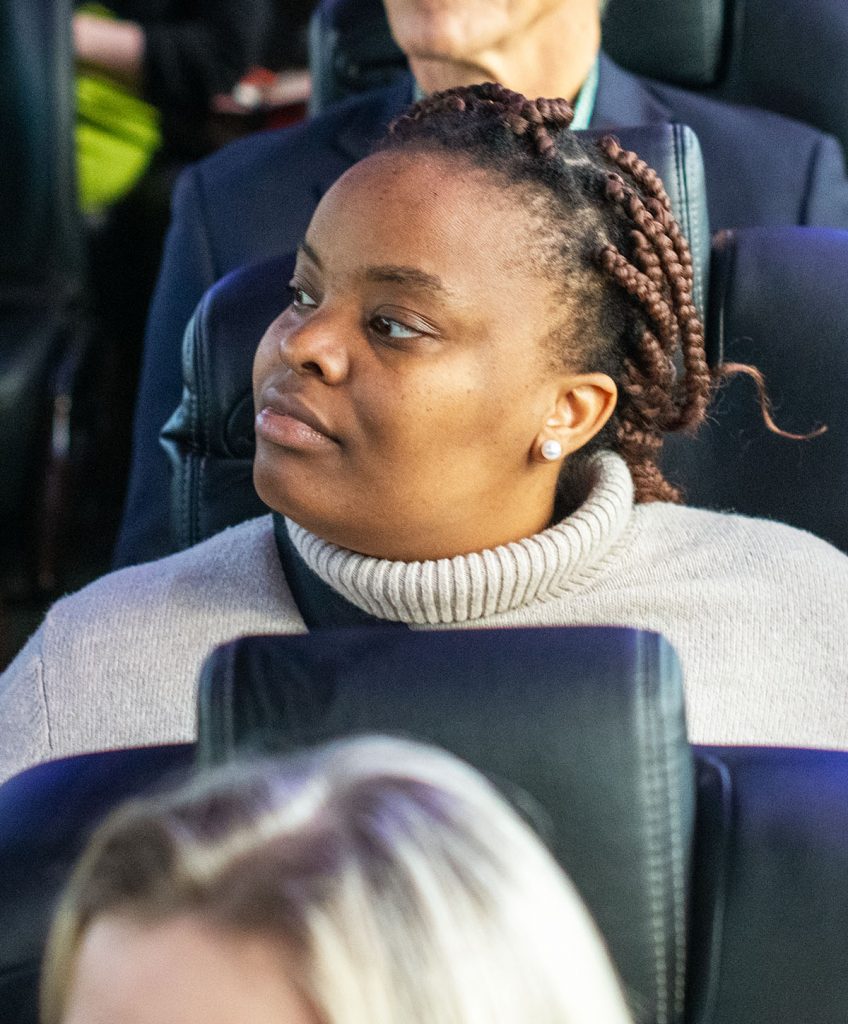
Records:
x=459, y=417
x=371, y=880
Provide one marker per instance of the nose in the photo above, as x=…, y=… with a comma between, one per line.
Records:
x=315, y=345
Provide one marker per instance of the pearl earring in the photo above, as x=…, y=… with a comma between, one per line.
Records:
x=551, y=450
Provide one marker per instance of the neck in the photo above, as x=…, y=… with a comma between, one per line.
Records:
x=551, y=56
x=464, y=588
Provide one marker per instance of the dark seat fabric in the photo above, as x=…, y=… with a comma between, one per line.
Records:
x=41, y=229
x=770, y=900
x=209, y=440
x=587, y=722
x=776, y=302
x=782, y=55
x=46, y=814
x=42, y=264
x=351, y=50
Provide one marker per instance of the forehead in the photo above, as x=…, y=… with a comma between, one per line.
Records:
x=179, y=970
x=433, y=211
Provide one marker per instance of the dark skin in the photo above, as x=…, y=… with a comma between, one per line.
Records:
x=403, y=397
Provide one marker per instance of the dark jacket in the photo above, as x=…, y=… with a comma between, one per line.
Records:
x=255, y=199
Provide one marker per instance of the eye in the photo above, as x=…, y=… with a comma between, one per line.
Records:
x=388, y=328
x=300, y=297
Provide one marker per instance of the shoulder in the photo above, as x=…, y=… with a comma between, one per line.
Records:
x=230, y=569
x=705, y=112
x=624, y=93
x=711, y=545
x=117, y=663
x=762, y=168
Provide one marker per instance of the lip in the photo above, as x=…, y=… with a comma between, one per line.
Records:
x=286, y=420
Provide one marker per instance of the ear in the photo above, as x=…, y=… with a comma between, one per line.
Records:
x=582, y=407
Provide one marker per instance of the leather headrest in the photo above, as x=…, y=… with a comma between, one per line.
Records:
x=351, y=50
x=674, y=40
x=588, y=722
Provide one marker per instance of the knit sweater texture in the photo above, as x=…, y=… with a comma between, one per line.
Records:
x=756, y=611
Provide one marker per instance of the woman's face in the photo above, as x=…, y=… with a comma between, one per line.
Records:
x=401, y=398
x=181, y=970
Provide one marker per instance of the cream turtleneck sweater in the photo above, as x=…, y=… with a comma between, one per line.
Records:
x=756, y=611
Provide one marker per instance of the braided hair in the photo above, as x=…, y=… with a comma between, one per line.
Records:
x=604, y=218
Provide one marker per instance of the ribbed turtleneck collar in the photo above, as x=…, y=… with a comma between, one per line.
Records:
x=484, y=583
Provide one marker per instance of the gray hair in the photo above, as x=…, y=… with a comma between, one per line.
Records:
x=400, y=880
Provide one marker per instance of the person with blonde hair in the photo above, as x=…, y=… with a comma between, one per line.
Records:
x=368, y=881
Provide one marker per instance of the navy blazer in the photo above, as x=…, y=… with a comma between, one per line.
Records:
x=254, y=199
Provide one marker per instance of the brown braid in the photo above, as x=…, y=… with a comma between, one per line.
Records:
x=608, y=218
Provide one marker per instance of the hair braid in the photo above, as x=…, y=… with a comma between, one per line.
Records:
x=657, y=274
x=607, y=219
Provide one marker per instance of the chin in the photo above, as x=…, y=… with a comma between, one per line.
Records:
x=436, y=34
x=295, y=494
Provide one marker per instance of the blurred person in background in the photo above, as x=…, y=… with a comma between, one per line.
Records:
x=148, y=75
x=369, y=881
x=175, y=55
x=254, y=199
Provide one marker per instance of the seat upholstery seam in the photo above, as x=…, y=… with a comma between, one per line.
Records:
x=651, y=834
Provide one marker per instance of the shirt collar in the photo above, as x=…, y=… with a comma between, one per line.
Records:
x=584, y=105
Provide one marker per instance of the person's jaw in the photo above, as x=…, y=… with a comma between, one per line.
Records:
x=552, y=56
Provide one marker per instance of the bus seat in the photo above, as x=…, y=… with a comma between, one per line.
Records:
x=580, y=719
x=586, y=721
x=46, y=814
x=769, y=941
x=42, y=259
x=776, y=302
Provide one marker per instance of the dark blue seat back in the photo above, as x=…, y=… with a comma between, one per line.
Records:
x=46, y=815
x=588, y=723
x=777, y=302
x=769, y=941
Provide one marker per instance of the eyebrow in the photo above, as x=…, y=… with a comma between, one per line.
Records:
x=410, y=276
x=310, y=253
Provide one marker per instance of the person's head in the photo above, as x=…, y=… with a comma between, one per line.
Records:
x=485, y=283
x=371, y=881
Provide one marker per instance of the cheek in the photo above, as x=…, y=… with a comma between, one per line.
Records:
x=267, y=357
x=473, y=410
x=261, y=363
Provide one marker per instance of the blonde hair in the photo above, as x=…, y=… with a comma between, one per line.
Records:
x=403, y=884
